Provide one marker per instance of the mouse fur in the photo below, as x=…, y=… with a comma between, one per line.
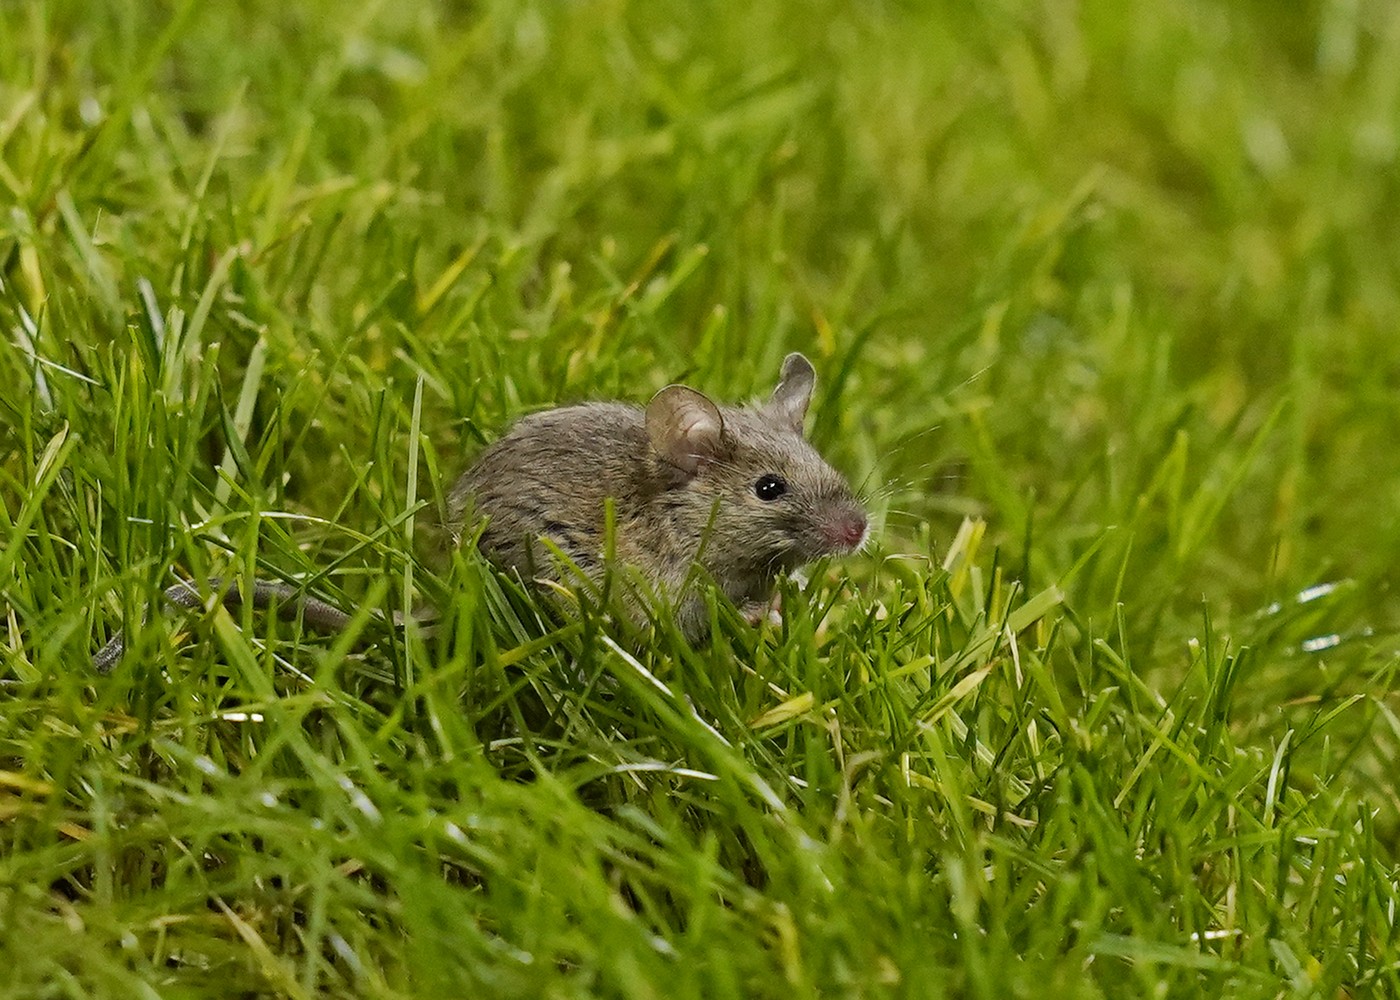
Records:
x=737, y=490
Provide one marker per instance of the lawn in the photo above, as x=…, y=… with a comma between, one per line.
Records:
x=1103, y=300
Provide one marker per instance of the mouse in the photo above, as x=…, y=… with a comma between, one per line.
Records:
x=678, y=485
x=737, y=490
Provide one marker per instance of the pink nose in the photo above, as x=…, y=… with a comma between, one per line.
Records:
x=846, y=530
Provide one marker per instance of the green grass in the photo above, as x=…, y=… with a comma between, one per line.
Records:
x=1103, y=300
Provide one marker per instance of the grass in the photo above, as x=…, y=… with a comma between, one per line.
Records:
x=1102, y=299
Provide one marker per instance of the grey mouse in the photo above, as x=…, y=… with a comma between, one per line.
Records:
x=736, y=491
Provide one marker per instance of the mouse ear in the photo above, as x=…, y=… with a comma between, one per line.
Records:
x=685, y=428
x=794, y=392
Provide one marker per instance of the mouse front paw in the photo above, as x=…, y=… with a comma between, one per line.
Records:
x=758, y=612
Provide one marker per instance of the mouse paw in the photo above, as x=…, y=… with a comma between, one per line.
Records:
x=758, y=612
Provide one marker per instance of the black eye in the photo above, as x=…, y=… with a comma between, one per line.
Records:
x=770, y=487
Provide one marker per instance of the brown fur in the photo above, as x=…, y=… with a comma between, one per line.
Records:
x=551, y=476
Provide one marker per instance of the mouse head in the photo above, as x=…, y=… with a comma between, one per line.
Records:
x=748, y=477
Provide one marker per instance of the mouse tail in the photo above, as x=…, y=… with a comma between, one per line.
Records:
x=289, y=602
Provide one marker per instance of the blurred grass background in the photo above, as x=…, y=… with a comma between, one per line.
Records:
x=1119, y=279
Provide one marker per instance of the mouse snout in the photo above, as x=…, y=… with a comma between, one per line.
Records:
x=844, y=529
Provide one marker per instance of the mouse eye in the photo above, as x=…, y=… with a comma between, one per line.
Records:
x=770, y=486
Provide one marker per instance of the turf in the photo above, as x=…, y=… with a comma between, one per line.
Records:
x=1103, y=301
